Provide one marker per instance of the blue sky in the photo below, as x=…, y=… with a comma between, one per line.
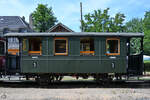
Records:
x=68, y=11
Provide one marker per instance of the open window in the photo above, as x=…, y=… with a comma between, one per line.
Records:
x=112, y=46
x=87, y=46
x=35, y=45
x=13, y=46
x=61, y=46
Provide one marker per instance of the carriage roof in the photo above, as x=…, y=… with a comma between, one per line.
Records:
x=34, y=34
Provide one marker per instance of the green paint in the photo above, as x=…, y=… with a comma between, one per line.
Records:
x=74, y=63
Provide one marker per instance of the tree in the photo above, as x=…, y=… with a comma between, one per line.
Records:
x=117, y=25
x=93, y=22
x=43, y=18
x=146, y=23
x=135, y=25
x=100, y=21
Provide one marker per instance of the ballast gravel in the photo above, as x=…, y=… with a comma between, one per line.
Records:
x=74, y=94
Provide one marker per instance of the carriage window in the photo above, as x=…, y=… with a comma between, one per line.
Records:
x=86, y=46
x=61, y=46
x=113, y=46
x=35, y=46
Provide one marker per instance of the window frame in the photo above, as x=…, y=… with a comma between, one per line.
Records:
x=87, y=52
x=61, y=38
x=35, y=52
x=118, y=39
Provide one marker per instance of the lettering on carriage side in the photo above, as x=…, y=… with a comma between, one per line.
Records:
x=35, y=57
x=112, y=57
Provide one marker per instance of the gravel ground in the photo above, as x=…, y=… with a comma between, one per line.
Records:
x=72, y=90
x=74, y=94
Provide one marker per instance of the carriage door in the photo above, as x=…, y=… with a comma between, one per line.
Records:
x=35, y=50
x=13, y=54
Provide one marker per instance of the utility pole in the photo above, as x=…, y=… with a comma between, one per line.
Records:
x=103, y=22
x=81, y=17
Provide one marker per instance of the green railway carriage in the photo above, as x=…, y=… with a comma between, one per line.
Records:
x=100, y=55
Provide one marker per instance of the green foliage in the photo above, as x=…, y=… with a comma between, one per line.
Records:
x=147, y=66
x=101, y=20
x=135, y=25
x=135, y=47
x=43, y=18
x=147, y=42
x=93, y=22
x=146, y=22
x=118, y=23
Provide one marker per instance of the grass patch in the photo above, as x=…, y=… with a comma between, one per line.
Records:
x=146, y=61
x=147, y=65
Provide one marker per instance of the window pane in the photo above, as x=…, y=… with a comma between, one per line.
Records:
x=35, y=44
x=112, y=46
x=60, y=46
x=86, y=46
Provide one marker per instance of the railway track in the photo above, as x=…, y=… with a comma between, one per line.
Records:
x=76, y=84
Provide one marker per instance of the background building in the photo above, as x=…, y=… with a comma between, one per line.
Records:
x=13, y=24
x=60, y=28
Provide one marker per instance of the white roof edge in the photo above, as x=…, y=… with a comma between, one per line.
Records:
x=75, y=34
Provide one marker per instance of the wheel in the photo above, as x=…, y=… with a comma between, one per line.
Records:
x=44, y=79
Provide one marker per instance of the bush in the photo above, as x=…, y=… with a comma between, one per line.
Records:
x=147, y=66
